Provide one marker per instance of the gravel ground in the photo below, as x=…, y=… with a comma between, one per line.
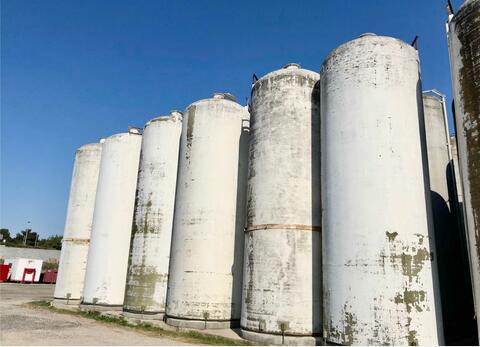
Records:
x=20, y=325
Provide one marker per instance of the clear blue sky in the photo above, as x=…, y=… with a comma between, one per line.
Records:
x=75, y=71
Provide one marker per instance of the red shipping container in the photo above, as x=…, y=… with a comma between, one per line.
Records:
x=50, y=276
x=4, y=268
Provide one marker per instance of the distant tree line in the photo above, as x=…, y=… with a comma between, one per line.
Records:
x=29, y=238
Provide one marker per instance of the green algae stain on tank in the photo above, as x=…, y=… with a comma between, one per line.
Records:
x=140, y=292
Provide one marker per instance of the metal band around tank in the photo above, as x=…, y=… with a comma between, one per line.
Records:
x=76, y=240
x=283, y=226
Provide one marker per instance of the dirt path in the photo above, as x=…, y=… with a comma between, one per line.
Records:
x=20, y=325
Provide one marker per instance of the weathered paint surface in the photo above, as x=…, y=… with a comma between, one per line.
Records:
x=153, y=219
x=78, y=224
x=207, y=242
x=379, y=266
x=112, y=221
x=464, y=46
x=282, y=271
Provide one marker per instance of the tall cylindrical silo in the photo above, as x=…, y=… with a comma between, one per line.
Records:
x=464, y=46
x=454, y=274
x=437, y=146
x=205, y=277
x=78, y=225
x=282, y=272
x=147, y=276
x=379, y=266
x=112, y=222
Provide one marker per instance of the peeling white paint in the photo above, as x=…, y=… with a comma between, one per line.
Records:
x=437, y=145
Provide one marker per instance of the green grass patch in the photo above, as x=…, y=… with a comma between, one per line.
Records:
x=40, y=303
x=194, y=337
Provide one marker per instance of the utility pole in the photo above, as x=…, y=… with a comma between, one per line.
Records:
x=25, y=238
x=26, y=234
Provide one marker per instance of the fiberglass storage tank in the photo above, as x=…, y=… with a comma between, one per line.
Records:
x=436, y=131
x=112, y=222
x=78, y=225
x=282, y=271
x=379, y=270
x=204, y=287
x=454, y=277
x=147, y=276
x=464, y=46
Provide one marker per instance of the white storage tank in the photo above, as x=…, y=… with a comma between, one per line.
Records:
x=464, y=47
x=205, y=278
x=112, y=222
x=454, y=274
x=146, y=288
x=282, y=272
x=78, y=225
x=438, y=150
x=379, y=266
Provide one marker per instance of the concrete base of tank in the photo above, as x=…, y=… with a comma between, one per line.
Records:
x=98, y=307
x=273, y=339
x=144, y=315
x=202, y=324
x=65, y=303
